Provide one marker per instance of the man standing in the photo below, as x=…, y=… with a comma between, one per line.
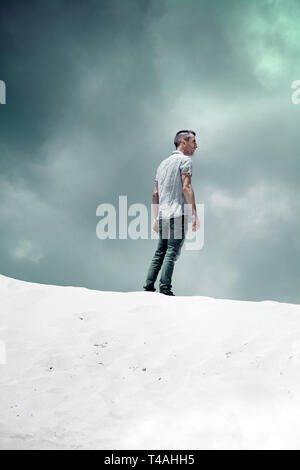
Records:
x=173, y=190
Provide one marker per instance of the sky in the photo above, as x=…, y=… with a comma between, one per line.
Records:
x=95, y=92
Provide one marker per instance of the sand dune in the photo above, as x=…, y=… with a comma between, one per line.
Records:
x=104, y=370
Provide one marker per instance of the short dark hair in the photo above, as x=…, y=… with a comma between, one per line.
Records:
x=183, y=135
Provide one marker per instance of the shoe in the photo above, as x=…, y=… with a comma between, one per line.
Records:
x=149, y=289
x=169, y=292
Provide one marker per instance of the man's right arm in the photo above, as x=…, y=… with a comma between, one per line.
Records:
x=190, y=198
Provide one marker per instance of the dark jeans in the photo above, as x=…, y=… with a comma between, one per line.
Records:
x=171, y=238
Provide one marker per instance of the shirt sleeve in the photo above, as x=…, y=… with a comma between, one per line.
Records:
x=186, y=166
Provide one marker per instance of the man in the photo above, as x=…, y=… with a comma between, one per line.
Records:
x=173, y=191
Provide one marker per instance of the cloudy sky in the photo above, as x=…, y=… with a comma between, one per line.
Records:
x=96, y=91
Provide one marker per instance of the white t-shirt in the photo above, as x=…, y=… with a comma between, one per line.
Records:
x=168, y=176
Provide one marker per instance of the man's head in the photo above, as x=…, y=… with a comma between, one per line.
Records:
x=185, y=142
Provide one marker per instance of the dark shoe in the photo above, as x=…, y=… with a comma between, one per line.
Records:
x=167, y=293
x=149, y=289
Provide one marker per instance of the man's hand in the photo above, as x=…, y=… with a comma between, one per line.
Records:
x=196, y=223
x=155, y=226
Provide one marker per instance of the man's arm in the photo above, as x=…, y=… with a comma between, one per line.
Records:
x=155, y=202
x=190, y=198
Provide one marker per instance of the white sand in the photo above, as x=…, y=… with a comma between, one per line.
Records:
x=103, y=370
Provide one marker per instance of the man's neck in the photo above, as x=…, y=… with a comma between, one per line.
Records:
x=182, y=151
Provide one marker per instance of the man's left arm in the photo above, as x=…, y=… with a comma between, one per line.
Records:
x=155, y=202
